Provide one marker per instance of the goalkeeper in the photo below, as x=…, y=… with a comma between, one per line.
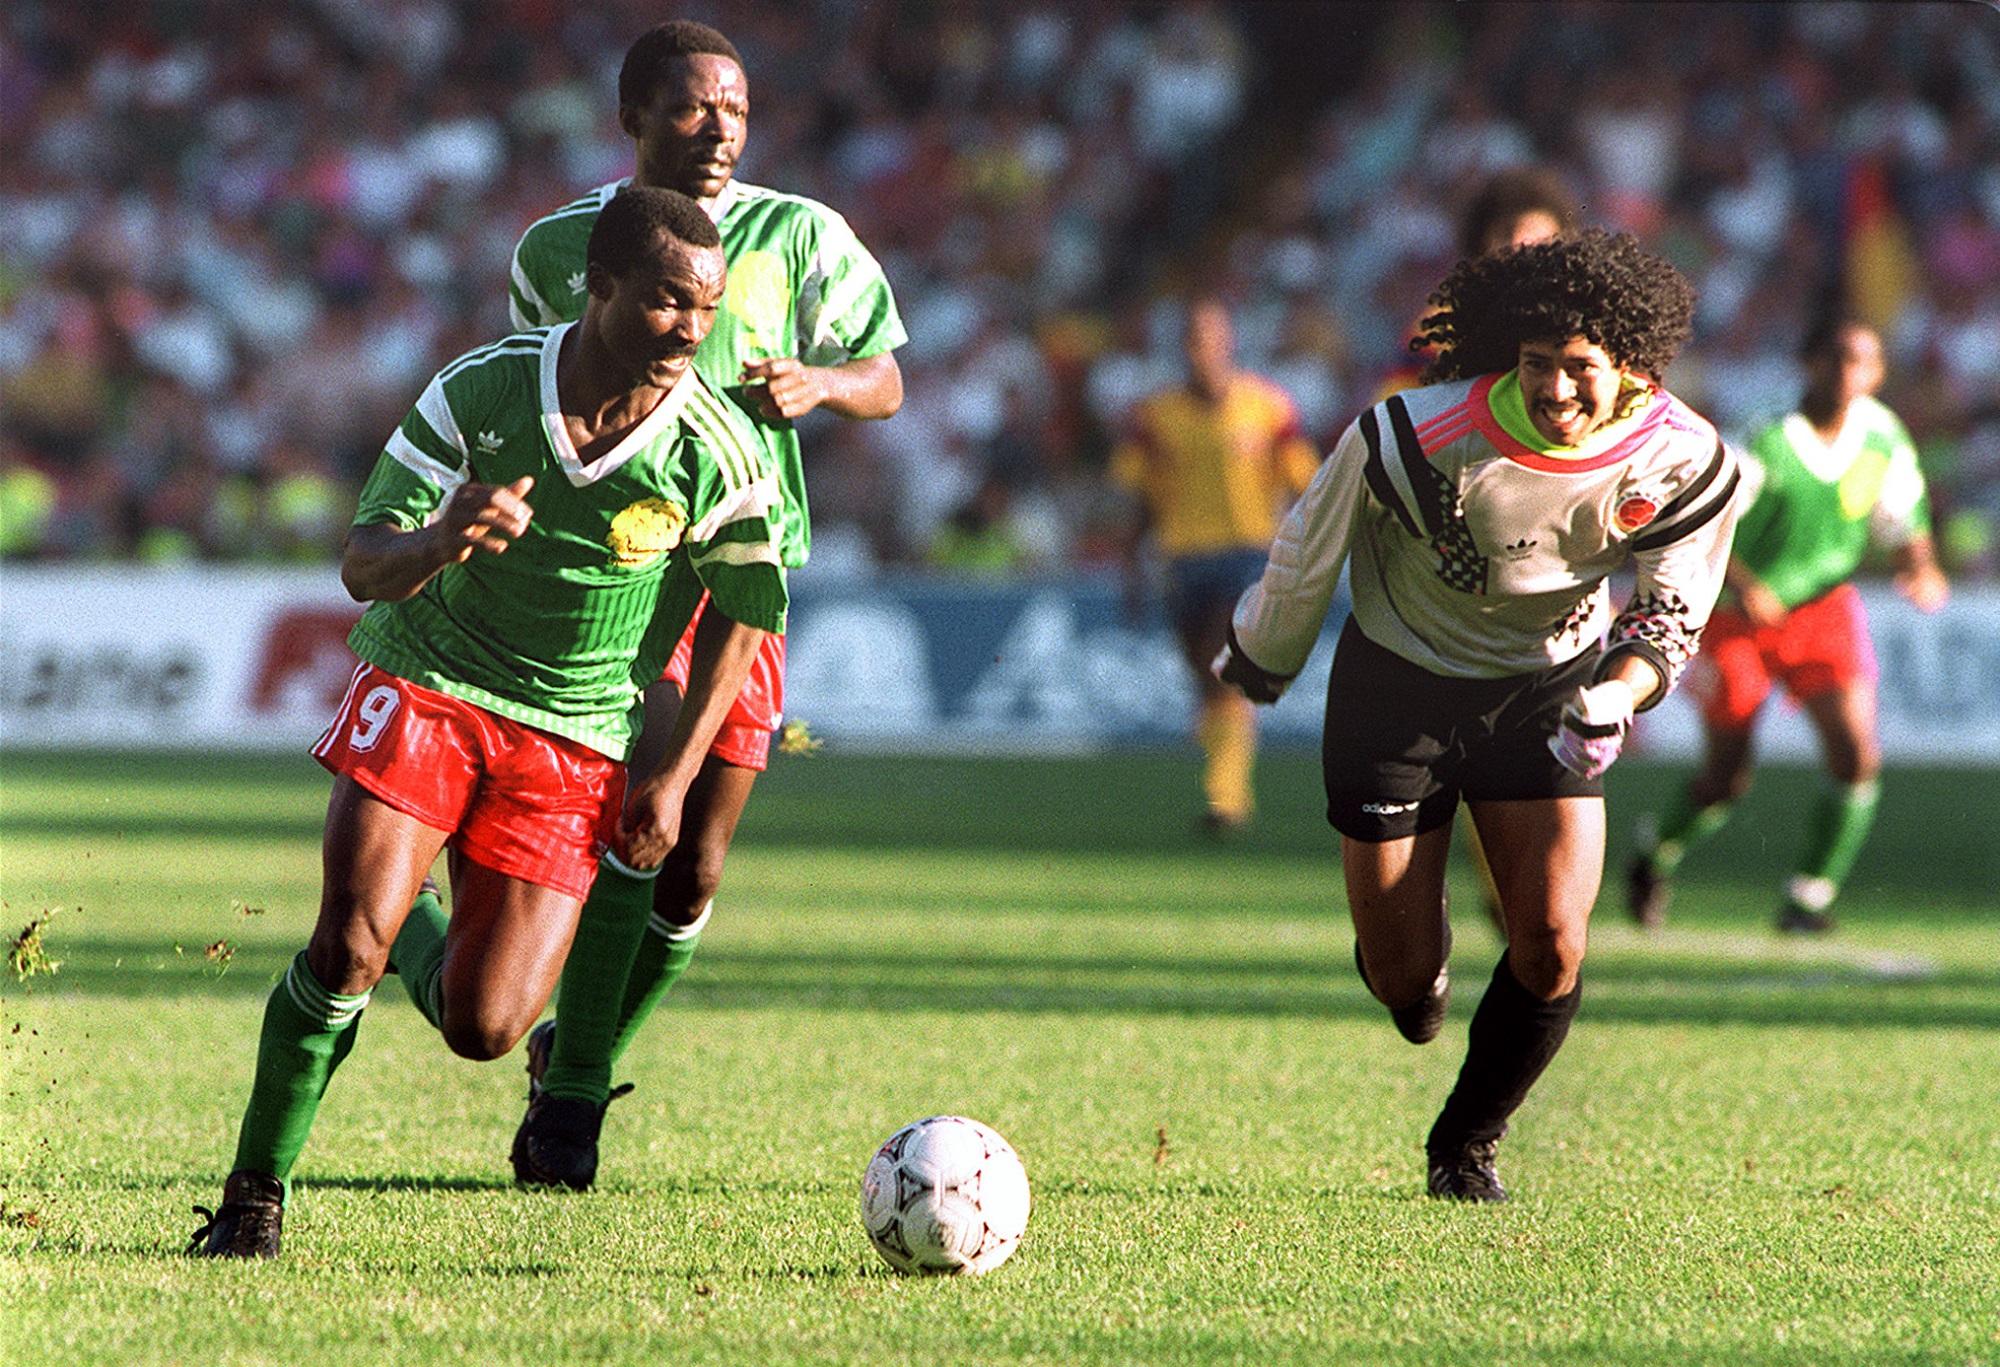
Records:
x=1482, y=514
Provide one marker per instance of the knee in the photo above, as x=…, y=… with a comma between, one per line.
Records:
x=1707, y=789
x=1857, y=762
x=480, y=1037
x=689, y=881
x=1547, y=962
x=348, y=957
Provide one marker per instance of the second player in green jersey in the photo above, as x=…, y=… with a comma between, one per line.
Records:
x=808, y=322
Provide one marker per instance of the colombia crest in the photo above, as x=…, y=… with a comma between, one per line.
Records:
x=1634, y=511
x=644, y=531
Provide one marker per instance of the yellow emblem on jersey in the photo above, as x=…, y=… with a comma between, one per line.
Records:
x=758, y=295
x=645, y=531
x=1861, y=484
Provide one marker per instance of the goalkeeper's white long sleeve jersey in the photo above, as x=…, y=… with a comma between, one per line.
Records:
x=1477, y=555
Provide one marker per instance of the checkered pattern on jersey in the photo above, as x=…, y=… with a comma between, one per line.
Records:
x=1658, y=621
x=1433, y=513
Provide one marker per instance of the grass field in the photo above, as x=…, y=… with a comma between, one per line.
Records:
x=1752, y=1151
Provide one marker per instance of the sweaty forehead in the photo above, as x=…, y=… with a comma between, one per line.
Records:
x=699, y=269
x=708, y=74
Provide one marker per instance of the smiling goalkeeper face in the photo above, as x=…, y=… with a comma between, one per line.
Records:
x=1571, y=388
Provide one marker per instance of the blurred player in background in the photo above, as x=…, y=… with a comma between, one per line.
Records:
x=1512, y=208
x=807, y=323
x=534, y=539
x=1214, y=462
x=1822, y=485
x=1484, y=513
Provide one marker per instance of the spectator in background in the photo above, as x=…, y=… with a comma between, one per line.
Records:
x=1027, y=173
x=1214, y=462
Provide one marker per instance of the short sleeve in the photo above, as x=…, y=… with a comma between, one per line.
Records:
x=846, y=310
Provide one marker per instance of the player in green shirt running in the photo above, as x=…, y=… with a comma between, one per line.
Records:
x=808, y=322
x=1834, y=477
x=534, y=539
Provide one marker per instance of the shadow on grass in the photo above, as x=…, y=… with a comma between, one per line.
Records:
x=1625, y=986
x=405, y=1182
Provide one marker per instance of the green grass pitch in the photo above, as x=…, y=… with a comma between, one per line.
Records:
x=1752, y=1151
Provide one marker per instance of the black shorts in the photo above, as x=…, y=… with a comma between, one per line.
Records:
x=1402, y=744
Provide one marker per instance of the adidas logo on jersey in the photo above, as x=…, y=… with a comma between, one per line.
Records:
x=576, y=283
x=1514, y=550
x=489, y=442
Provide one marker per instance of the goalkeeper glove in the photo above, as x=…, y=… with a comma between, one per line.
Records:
x=1593, y=727
x=1233, y=667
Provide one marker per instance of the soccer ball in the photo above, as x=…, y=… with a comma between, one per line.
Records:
x=945, y=1195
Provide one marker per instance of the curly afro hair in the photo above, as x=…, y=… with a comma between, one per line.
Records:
x=1596, y=285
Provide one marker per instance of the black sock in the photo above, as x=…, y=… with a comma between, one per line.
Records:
x=1514, y=1035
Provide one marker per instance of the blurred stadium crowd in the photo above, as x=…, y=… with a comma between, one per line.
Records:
x=236, y=238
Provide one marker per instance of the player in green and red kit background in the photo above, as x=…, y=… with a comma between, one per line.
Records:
x=1833, y=478
x=807, y=322
x=533, y=539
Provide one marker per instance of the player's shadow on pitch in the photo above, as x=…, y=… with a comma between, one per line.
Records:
x=1322, y=986
x=387, y=1185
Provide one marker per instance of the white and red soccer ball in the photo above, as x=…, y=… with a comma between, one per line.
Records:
x=945, y=1195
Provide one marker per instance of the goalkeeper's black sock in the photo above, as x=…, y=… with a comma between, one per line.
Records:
x=1514, y=1035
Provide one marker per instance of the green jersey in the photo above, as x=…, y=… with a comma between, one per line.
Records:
x=800, y=284
x=1816, y=505
x=564, y=630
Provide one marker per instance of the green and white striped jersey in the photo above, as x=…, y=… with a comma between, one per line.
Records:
x=1481, y=551
x=800, y=284
x=1815, y=505
x=564, y=630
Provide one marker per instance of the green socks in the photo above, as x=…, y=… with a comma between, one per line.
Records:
x=307, y=1032
x=418, y=956
x=664, y=954
x=593, y=981
x=1841, y=820
x=1681, y=827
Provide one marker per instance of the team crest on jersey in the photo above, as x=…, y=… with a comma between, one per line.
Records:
x=645, y=531
x=1634, y=511
x=759, y=294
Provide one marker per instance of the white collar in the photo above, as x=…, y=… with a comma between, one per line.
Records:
x=666, y=412
x=723, y=202
x=1827, y=460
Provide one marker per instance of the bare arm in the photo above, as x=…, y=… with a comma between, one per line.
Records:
x=871, y=387
x=723, y=653
x=1763, y=607
x=1918, y=576
x=391, y=564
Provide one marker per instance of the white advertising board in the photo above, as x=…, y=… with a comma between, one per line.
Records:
x=121, y=656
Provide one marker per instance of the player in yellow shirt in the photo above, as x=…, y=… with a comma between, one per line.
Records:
x=1215, y=462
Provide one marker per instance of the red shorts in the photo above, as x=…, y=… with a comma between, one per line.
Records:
x=745, y=737
x=523, y=802
x=1821, y=647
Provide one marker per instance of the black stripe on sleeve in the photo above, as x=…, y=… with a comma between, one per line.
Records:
x=1416, y=469
x=1688, y=495
x=1378, y=478
x=1665, y=535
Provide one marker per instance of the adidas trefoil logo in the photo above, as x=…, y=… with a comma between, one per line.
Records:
x=1514, y=550
x=576, y=283
x=488, y=442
